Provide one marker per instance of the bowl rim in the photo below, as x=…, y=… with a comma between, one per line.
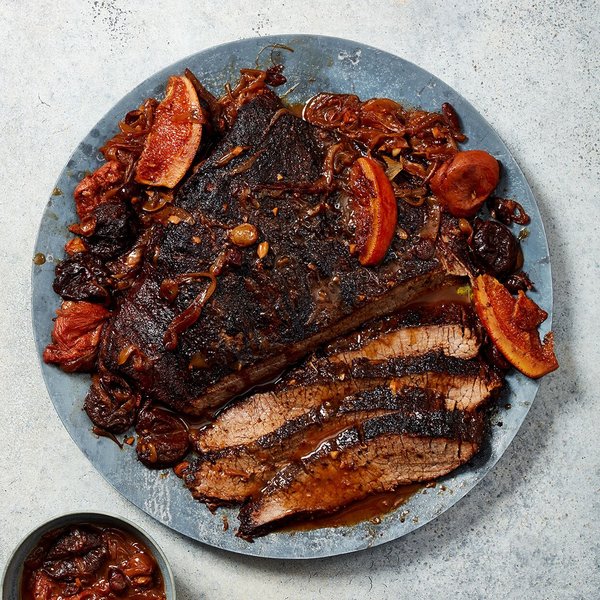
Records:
x=71, y=518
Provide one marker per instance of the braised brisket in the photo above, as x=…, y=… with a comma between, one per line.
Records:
x=265, y=313
x=465, y=384
x=235, y=473
x=376, y=456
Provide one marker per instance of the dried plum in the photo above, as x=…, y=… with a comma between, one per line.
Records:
x=75, y=542
x=274, y=76
x=82, y=277
x=114, y=231
x=79, y=552
x=111, y=403
x=495, y=247
x=508, y=211
x=117, y=581
x=518, y=281
x=163, y=438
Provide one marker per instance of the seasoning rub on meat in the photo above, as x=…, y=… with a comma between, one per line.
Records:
x=249, y=289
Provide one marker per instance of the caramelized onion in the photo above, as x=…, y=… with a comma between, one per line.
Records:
x=252, y=83
x=246, y=164
x=125, y=354
x=329, y=161
x=126, y=147
x=169, y=288
x=191, y=314
x=157, y=201
x=230, y=155
x=204, y=95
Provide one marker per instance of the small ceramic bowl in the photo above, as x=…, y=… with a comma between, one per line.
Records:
x=11, y=580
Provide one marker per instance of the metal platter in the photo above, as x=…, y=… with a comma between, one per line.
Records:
x=316, y=64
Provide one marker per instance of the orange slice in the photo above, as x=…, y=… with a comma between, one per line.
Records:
x=375, y=210
x=174, y=136
x=512, y=326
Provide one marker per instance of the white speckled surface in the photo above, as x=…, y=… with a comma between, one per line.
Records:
x=530, y=530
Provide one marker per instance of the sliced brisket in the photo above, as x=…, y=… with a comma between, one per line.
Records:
x=379, y=455
x=465, y=384
x=235, y=473
x=447, y=327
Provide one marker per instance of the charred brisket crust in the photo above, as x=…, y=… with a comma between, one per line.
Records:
x=454, y=425
x=262, y=310
x=437, y=362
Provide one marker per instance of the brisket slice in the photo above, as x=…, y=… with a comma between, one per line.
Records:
x=376, y=456
x=232, y=475
x=465, y=384
x=447, y=327
x=268, y=313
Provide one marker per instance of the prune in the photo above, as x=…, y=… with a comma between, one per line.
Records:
x=114, y=231
x=275, y=76
x=518, y=281
x=111, y=403
x=163, y=438
x=495, y=247
x=117, y=581
x=82, y=277
x=75, y=542
x=77, y=553
x=83, y=565
x=508, y=211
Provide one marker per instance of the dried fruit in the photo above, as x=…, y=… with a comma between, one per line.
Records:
x=512, y=326
x=97, y=187
x=76, y=336
x=375, y=210
x=464, y=181
x=163, y=439
x=174, y=136
x=495, y=247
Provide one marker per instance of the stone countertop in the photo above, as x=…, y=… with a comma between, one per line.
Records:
x=530, y=529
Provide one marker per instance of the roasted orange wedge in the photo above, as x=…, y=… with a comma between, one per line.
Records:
x=464, y=181
x=174, y=136
x=375, y=210
x=512, y=326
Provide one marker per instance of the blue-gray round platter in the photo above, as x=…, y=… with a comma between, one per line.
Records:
x=316, y=64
